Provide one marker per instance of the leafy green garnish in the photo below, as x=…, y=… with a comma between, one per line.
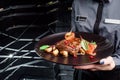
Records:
x=93, y=42
x=84, y=44
x=44, y=47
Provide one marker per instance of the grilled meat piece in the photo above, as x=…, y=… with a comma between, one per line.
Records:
x=72, y=47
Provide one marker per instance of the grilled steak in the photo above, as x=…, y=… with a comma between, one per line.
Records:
x=72, y=47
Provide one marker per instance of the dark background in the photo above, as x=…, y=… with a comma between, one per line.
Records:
x=22, y=24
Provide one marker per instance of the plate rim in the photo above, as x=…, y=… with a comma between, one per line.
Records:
x=38, y=51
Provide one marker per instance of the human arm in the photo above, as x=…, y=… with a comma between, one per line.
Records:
x=106, y=64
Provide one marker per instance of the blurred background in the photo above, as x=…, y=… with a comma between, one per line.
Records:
x=22, y=24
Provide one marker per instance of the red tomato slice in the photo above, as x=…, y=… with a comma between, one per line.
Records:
x=91, y=48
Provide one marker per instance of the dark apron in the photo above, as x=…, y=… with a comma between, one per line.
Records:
x=97, y=75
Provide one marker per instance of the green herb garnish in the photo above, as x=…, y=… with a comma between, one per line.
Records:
x=84, y=44
x=44, y=47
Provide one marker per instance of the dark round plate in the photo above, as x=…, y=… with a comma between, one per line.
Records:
x=103, y=50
